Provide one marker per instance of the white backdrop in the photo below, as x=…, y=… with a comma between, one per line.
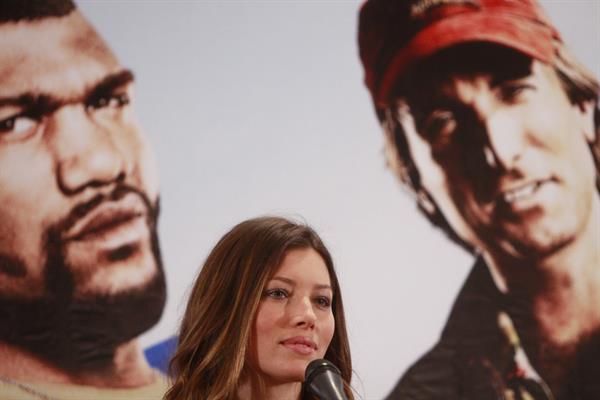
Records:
x=258, y=107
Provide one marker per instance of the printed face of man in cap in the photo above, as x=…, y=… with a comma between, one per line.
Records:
x=78, y=186
x=505, y=155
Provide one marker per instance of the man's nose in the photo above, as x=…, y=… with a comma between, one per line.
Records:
x=505, y=140
x=87, y=153
x=303, y=313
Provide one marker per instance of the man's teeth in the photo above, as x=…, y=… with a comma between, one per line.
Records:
x=517, y=194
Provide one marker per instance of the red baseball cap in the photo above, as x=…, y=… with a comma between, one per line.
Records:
x=394, y=34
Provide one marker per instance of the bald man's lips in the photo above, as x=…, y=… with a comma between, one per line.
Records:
x=113, y=224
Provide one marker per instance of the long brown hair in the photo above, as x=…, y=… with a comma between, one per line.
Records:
x=216, y=327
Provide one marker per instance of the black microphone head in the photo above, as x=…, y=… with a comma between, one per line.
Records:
x=324, y=380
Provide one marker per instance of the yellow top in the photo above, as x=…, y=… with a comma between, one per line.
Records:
x=18, y=390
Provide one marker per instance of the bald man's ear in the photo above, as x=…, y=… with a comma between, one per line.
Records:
x=587, y=111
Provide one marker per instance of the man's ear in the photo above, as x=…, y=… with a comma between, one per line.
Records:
x=587, y=110
x=425, y=202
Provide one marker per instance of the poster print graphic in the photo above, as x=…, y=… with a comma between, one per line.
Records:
x=80, y=268
x=205, y=120
x=493, y=124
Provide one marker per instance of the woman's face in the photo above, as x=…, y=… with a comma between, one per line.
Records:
x=294, y=323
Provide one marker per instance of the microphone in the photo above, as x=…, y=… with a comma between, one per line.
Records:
x=324, y=380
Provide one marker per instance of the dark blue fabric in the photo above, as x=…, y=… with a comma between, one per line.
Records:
x=158, y=355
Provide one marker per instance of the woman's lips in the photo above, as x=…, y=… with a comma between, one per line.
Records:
x=300, y=345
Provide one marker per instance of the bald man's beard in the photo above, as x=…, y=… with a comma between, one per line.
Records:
x=79, y=333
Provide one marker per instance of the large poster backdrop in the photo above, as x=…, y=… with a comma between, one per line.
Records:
x=263, y=110
x=257, y=107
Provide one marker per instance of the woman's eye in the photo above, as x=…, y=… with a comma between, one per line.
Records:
x=323, y=301
x=18, y=127
x=277, y=293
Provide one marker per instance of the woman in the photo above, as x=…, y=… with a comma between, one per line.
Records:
x=266, y=303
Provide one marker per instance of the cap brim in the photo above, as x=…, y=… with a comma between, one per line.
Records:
x=526, y=36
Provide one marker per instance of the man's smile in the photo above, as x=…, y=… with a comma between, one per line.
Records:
x=523, y=192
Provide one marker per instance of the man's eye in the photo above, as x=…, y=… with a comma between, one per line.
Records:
x=511, y=92
x=109, y=101
x=18, y=127
x=439, y=125
x=277, y=294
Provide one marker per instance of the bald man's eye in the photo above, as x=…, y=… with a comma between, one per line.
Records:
x=18, y=127
x=109, y=101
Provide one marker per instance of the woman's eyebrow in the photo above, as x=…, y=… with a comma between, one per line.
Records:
x=282, y=279
x=324, y=287
x=293, y=283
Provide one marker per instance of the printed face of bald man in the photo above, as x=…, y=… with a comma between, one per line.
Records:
x=78, y=184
